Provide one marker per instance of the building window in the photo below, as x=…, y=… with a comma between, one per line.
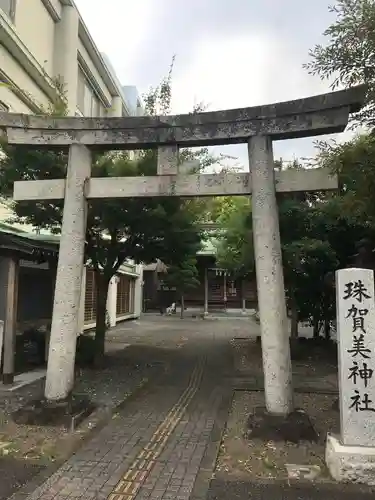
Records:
x=87, y=100
x=102, y=110
x=123, y=302
x=9, y=7
x=95, y=106
x=81, y=91
x=90, y=297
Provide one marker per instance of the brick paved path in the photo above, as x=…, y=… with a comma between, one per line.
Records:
x=157, y=445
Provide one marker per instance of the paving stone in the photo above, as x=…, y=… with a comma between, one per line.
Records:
x=173, y=488
x=143, y=495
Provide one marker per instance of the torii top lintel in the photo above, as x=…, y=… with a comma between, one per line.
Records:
x=322, y=114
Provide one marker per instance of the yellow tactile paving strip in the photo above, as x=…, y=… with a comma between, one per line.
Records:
x=131, y=482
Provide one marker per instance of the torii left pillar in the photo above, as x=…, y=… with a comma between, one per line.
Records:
x=66, y=306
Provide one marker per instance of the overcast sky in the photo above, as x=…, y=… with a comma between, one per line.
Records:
x=229, y=53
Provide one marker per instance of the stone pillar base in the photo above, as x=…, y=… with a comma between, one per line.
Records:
x=350, y=464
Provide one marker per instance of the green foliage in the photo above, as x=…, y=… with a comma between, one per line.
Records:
x=223, y=207
x=183, y=275
x=354, y=163
x=235, y=249
x=306, y=265
x=340, y=228
x=307, y=258
x=317, y=237
x=348, y=58
x=158, y=100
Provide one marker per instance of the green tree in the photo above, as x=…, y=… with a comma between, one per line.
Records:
x=138, y=229
x=310, y=233
x=348, y=58
x=183, y=276
x=235, y=250
x=306, y=265
x=353, y=161
x=117, y=230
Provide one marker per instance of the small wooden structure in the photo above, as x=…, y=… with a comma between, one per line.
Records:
x=27, y=278
x=218, y=289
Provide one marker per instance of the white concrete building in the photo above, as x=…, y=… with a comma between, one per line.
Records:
x=45, y=47
x=44, y=41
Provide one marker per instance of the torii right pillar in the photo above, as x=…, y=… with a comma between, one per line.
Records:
x=270, y=279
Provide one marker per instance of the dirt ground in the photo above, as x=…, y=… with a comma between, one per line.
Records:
x=106, y=388
x=315, y=369
x=251, y=459
x=315, y=383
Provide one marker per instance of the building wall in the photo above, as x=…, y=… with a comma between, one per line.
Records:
x=133, y=100
x=157, y=294
x=33, y=305
x=41, y=40
x=38, y=35
x=19, y=92
x=36, y=290
x=124, y=300
x=45, y=40
x=94, y=79
x=35, y=293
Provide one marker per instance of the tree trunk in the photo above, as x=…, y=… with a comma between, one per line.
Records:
x=294, y=324
x=102, y=284
x=243, y=297
x=294, y=318
x=316, y=328
x=327, y=329
x=182, y=306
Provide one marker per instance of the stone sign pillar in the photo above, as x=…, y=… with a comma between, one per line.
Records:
x=270, y=280
x=66, y=307
x=351, y=456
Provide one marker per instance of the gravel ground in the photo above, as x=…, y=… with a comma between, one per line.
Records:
x=315, y=377
x=14, y=474
x=252, y=459
x=315, y=371
x=107, y=388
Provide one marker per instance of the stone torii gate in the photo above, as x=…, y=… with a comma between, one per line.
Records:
x=256, y=126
